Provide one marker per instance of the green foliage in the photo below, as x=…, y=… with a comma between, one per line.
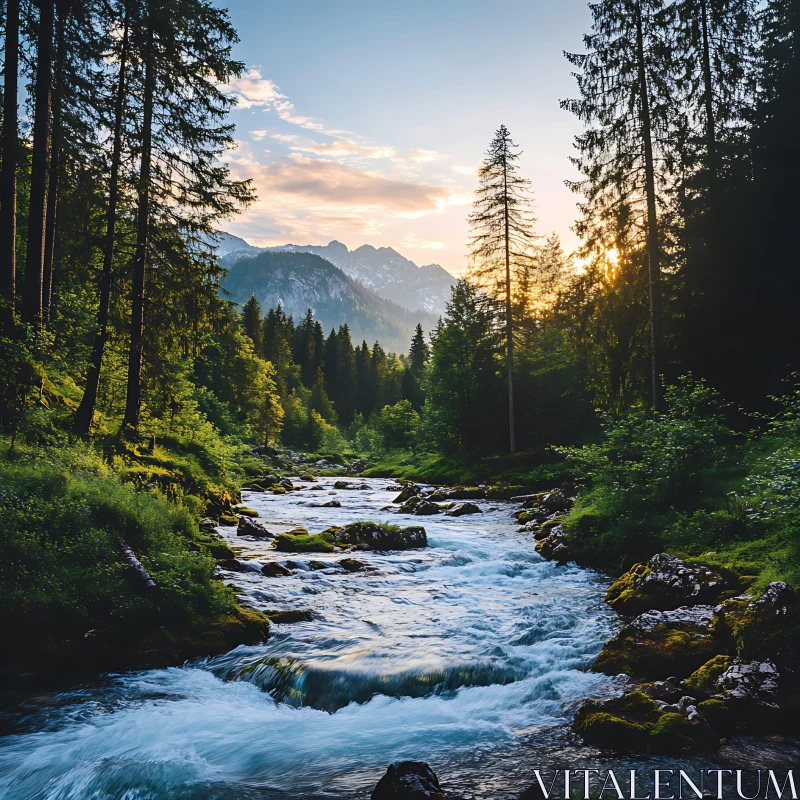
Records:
x=62, y=566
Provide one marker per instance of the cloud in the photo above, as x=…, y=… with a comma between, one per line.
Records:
x=345, y=147
x=422, y=244
x=285, y=137
x=423, y=156
x=326, y=183
x=251, y=89
x=461, y=169
x=258, y=135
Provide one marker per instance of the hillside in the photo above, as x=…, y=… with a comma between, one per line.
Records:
x=300, y=281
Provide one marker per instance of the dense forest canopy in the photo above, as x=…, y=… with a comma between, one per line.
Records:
x=113, y=318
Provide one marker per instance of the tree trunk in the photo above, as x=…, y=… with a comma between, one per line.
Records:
x=8, y=176
x=708, y=84
x=34, y=260
x=512, y=433
x=85, y=413
x=653, y=252
x=133, y=402
x=55, y=167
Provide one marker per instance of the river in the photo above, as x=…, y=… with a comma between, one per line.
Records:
x=470, y=655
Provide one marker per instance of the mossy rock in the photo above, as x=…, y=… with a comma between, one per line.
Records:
x=634, y=723
x=622, y=595
x=504, y=492
x=718, y=715
x=278, y=490
x=229, y=520
x=305, y=543
x=675, y=647
x=383, y=537
x=246, y=512
x=764, y=628
x=297, y=532
x=610, y=732
x=673, y=733
x=620, y=724
x=702, y=680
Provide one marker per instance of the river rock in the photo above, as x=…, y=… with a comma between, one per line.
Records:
x=409, y=490
x=665, y=583
x=408, y=780
x=329, y=504
x=636, y=723
x=357, y=466
x=556, y=501
x=382, y=537
x=251, y=527
x=354, y=565
x=461, y=509
x=208, y=524
x=272, y=569
x=424, y=508
x=232, y=565
x=765, y=628
x=662, y=643
x=555, y=545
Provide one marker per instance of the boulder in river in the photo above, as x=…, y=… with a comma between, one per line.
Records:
x=409, y=490
x=658, y=644
x=272, y=569
x=330, y=504
x=665, y=583
x=426, y=509
x=408, y=780
x=461, y=509
x=373, y=536
x=251, y=527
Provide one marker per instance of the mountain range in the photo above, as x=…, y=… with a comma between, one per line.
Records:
x=382, y=270
x=301, y=280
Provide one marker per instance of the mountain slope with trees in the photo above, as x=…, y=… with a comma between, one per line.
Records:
x=299, y=281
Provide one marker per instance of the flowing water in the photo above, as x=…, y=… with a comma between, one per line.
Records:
x=470, y=655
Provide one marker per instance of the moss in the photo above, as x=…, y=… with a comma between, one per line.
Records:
x=614, y=733
x=305, y=543
x=675, y=649
x=291, y=616
x=673, y=733
x=246, y=512
x=717, y=714
x=702, y=679
x=504, y=492
x=623, y=596
x=229, y=520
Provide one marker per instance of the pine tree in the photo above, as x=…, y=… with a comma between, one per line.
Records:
x=419, y=353
x=625, y=96
x=43, y=89
x=8, y=175
x=251, y=319
x=503, y=238
x=182, y=187
x=85, y=412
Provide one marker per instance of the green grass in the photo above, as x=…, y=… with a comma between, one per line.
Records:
x=534, y=470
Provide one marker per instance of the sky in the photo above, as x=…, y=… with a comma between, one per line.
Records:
x=365, y=121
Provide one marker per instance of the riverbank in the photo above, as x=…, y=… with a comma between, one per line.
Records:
x=104, y=564
x=709, y=653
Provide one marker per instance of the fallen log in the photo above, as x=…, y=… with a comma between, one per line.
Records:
x=130, y=557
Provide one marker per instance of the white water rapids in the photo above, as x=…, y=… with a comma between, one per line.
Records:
x=470, y=654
